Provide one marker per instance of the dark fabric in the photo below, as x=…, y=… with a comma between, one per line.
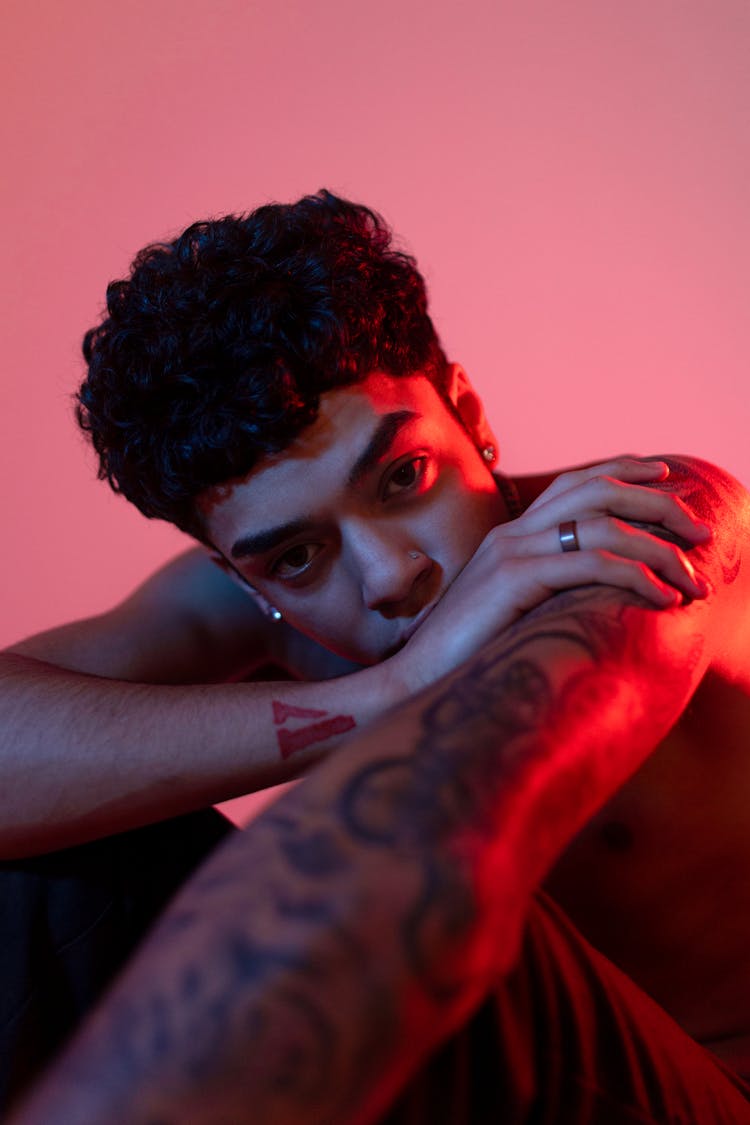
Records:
x=567, y=1039
x=70, y=919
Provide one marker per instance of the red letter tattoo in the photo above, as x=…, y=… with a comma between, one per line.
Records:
x=299, y=738
x=283, y=711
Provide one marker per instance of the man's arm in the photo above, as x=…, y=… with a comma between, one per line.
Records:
x=122, y=719
x=316, y=959
x=99, y=731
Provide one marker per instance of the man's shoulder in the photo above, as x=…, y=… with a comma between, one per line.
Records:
x=184, y=623
x=707, y=488
x=227, y=622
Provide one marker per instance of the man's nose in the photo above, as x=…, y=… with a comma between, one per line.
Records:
x=391, y=569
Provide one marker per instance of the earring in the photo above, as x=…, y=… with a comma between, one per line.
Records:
x=489, y=453
x=274, y=613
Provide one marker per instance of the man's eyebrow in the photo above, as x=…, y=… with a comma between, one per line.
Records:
x=380, y=443
x=264, y=541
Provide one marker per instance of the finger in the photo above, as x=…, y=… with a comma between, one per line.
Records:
x=550, y=574
x=606, y=496
x=606, y=533
x=663, y=557
x=625, y=468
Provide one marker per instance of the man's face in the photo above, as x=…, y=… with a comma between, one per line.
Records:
x=358, y=527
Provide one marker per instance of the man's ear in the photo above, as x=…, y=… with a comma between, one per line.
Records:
x=470, y=410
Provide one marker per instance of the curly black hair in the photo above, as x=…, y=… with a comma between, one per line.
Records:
x=217, y=347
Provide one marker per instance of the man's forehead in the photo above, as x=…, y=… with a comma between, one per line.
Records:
x=363, y=403
x=355, y=424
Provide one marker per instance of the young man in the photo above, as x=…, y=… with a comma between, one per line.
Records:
x=275, y=387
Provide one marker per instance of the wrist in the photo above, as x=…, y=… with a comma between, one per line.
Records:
x=401, y=677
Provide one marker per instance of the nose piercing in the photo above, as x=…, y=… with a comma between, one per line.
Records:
x=489, y=453
x=414, y=554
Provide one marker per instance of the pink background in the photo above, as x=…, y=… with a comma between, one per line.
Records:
x=573, y=178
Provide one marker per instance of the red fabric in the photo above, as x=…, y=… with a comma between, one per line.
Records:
x=568, y=1039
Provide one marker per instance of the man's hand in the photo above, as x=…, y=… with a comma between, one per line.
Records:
x=362, y=918
x=520, y=563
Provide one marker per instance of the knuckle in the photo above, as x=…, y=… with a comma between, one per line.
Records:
x=620, y=527
x=497, y=544
x=571, y=477
x=671, y=500
x=604, y=485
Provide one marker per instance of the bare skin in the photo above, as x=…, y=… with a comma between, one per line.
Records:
x=413, y=854
x=460, y=601
x=114, y=722
x=659, y=879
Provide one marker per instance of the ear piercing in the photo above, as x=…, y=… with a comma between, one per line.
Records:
x=489, y=453
x=275, y=614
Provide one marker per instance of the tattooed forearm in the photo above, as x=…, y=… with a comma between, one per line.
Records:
x=313, y=961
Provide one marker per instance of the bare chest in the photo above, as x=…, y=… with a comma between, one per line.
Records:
x=659, y=880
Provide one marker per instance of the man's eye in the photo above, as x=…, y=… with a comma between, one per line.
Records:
x=295, y=560
x=404, y=477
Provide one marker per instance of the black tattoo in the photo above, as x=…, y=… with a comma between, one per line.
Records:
x=372, y=804
x=255, y=1002
x=711, y=495
x=316, y=854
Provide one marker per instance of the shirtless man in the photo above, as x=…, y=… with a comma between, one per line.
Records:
x=375, y=527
